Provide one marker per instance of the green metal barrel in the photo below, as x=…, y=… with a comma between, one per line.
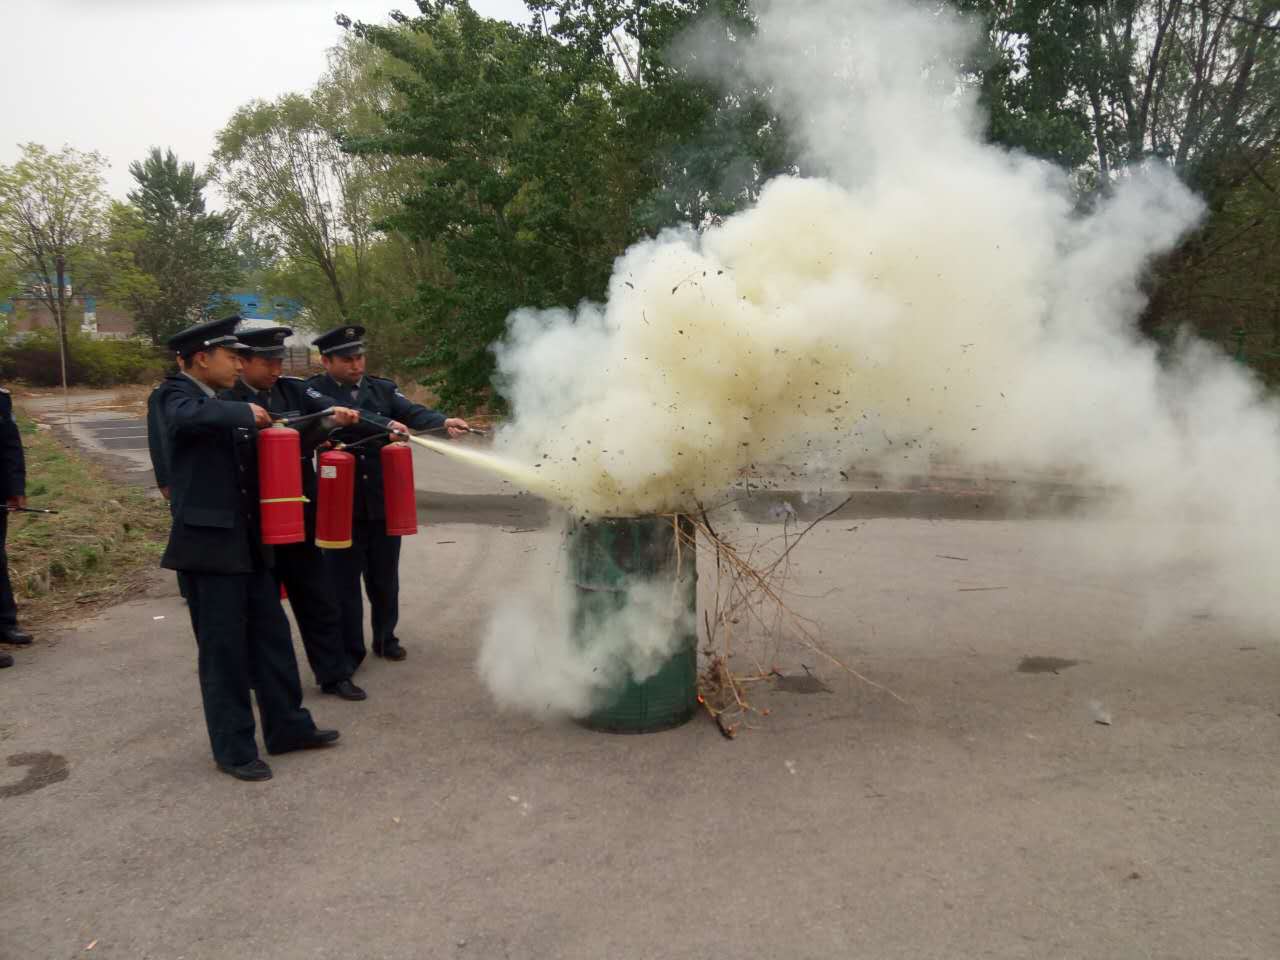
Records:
x=608, y=560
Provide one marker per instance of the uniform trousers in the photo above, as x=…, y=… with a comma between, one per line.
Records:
x=302, y=569
x=8, y=609
x=375, y=557
x=243, y=639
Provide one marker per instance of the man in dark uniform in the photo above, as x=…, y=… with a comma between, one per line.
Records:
x=156, y=447
x=372, y=554
x=156, y=435
x=301, y=566
x=155, y=442
x=13, y=475
x=241, y=630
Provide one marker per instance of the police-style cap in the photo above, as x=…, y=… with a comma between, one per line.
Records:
x=265, y=342
x=205, y=336
x=341, y=342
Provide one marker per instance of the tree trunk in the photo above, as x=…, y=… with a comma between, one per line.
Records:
x=1138, y=124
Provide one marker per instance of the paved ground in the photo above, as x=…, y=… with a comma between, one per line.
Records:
x=108, y=425
x=990, y=817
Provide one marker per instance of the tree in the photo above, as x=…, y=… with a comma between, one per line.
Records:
x=1202, y=92
x=534, y=155
x=10, y=275
x=544, y=151
x=1035, y=74
x=52, y=205
x=283, y=169
x=1100, y=85
x=707, y=139
x=167, y=256
x=280, y=164
x=521, y=189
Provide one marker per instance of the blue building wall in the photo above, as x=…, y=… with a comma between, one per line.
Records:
x=251, y=306
x=257, y=306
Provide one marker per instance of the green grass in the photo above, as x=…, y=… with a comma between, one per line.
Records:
x=95, y=550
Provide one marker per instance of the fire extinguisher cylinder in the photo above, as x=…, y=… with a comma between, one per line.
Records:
x=397, y=490
x=280, y=486
x=335, y=492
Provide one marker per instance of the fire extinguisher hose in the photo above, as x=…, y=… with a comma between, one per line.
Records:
x=515, y=472
x=290, y=421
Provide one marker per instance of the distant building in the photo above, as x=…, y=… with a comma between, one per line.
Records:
x=28, y=311
x=261, y=311
x=257, y=306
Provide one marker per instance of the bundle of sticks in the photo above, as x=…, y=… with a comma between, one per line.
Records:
x=750, y=592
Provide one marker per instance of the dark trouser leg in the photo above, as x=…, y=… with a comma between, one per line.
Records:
x=345, y=568
x=273, y=668
x=8, y=609
x=189, y=595
x=220, y=618
x=305, y=575
x=382, y=581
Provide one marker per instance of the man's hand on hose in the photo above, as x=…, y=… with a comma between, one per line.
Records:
x=400, y=431
x=457, y=427
x=345, y=416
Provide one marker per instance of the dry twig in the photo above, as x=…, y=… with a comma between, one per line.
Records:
x=750, y=589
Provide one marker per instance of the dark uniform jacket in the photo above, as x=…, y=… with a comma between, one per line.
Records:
x=13, y=468
x=291, y=397
x=156, y=439
x=381, y=398
x=213, y=481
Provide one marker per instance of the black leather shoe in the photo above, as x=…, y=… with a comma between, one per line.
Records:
x=344, y=689
x=16, y=637
x=255, y=769
x=320, y=738
x=312, y=741
x=392, y=651
x=5, y=661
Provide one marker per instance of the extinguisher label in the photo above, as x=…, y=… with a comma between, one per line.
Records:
x=329, y=472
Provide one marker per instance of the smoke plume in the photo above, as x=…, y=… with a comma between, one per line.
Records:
x=928, y=288
x=534, y=660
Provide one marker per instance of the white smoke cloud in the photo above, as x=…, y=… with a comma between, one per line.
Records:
x=535, y=658
x=930, y=287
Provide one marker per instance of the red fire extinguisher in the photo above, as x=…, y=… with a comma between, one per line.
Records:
x=397, y=490
x=280, y=485
x=335, y=489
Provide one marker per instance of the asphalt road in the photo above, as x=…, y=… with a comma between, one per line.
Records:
x=990, y=815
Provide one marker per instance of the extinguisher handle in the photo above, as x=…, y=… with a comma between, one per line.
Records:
x=377, y=421
x=289, y=421
x=355, y=443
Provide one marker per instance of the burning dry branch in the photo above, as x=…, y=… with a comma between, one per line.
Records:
x=750, y=591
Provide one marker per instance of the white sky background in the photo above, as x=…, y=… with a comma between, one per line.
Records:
x=133, y=74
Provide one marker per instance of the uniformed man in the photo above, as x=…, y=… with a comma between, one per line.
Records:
x=13, y=476
x=156, y=447
x=301, y=566
x=241, y=630
x=156, y=435
x=155, y=441
x=373, y=554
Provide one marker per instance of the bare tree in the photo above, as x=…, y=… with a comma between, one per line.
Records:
x=52, y=205
x=281, y=165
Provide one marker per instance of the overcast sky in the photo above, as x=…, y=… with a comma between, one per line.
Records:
x=121, y=76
